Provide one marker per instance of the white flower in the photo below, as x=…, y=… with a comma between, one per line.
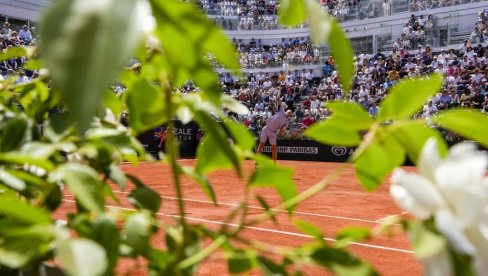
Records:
x=453, y=191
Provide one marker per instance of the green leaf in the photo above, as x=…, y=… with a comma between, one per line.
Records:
x=138, y=232
x=117, y=175
x=309, y=229
x=145, y=198
x=244, y=139
x=18, y=252
x=395, y=150
x=413, y=135
x=12, y=133
x=112, y=102
x=351, y=115
x=291, y=12
x=234, y=105
x=34, y=64
x=82, y=257
x=469, y=123
x=372, y=165
x=13, y=52
x=15, y=158
x=426, y=243
x=11, y=181
x=240, y=261
x=146, y=106
x=186, y=36
x=333, y=133
x=203, y=181
x=24, y=212
x=84, y=183
x=106, y=233
x=351, y=234
x=341, y=262
x=408, y=97
x=269, y=268
x=218, y=150
x=84, y=58
x=277, y=177
x=341, y=49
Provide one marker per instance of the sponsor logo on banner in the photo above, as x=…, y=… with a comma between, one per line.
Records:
x=183, y=134
x=294, y=150
x=339, y=151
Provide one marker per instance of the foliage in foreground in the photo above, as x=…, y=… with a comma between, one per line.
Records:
x=85, y=45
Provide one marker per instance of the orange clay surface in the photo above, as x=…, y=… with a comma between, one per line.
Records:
x=344, y=203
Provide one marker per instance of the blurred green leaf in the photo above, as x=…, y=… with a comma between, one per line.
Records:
x=426, y=243
x=333, y=133
x=12, y=181
x=138, y=232
x=341, y=262
x=408, y=97
x=395, y=150
x=24, y=212
x=86, y=57
x=277, y=177
x=14, y=52
x=20, y=159
x=309, y=229
x=145, y=198
x=84, y=183
x=269, y=268
x=203, y=181
x=54, y=197
x=187, y=35
x=82, y=257
x=112, y=102
x=215, y=152
x=240, y=261
x=34, y=64
x=468, y=123
x=372, y=165
x=291, y=12
x=351, y=234
x=146, y=106
x=117, y=175
x=350, y=114
x=12, y=133
x=341, y=49
x=106, y=233
x=20, y=251
x=413, y=135
x=243, y=138
x=234, y=105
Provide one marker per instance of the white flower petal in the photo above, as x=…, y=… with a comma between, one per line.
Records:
x=422, y=190
x=429, y=159
x=462, y=150
x=446, y=223
x=408, y=203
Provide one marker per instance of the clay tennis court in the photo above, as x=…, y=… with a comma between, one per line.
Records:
x=343, y=203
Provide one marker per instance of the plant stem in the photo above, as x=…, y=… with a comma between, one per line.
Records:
x=200, y=256
x=172, y=149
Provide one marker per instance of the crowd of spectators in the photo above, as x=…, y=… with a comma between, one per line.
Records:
x=14, y=67
x=239, y=7
x=290, y=52
x=419, y=5
x=480, y=31
x=417, y=31
x=465, y=71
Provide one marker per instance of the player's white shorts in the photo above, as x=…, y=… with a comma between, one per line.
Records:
x=272, y=136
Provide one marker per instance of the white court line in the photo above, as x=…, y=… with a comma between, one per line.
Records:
x=261, y=229
x=261, y=208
